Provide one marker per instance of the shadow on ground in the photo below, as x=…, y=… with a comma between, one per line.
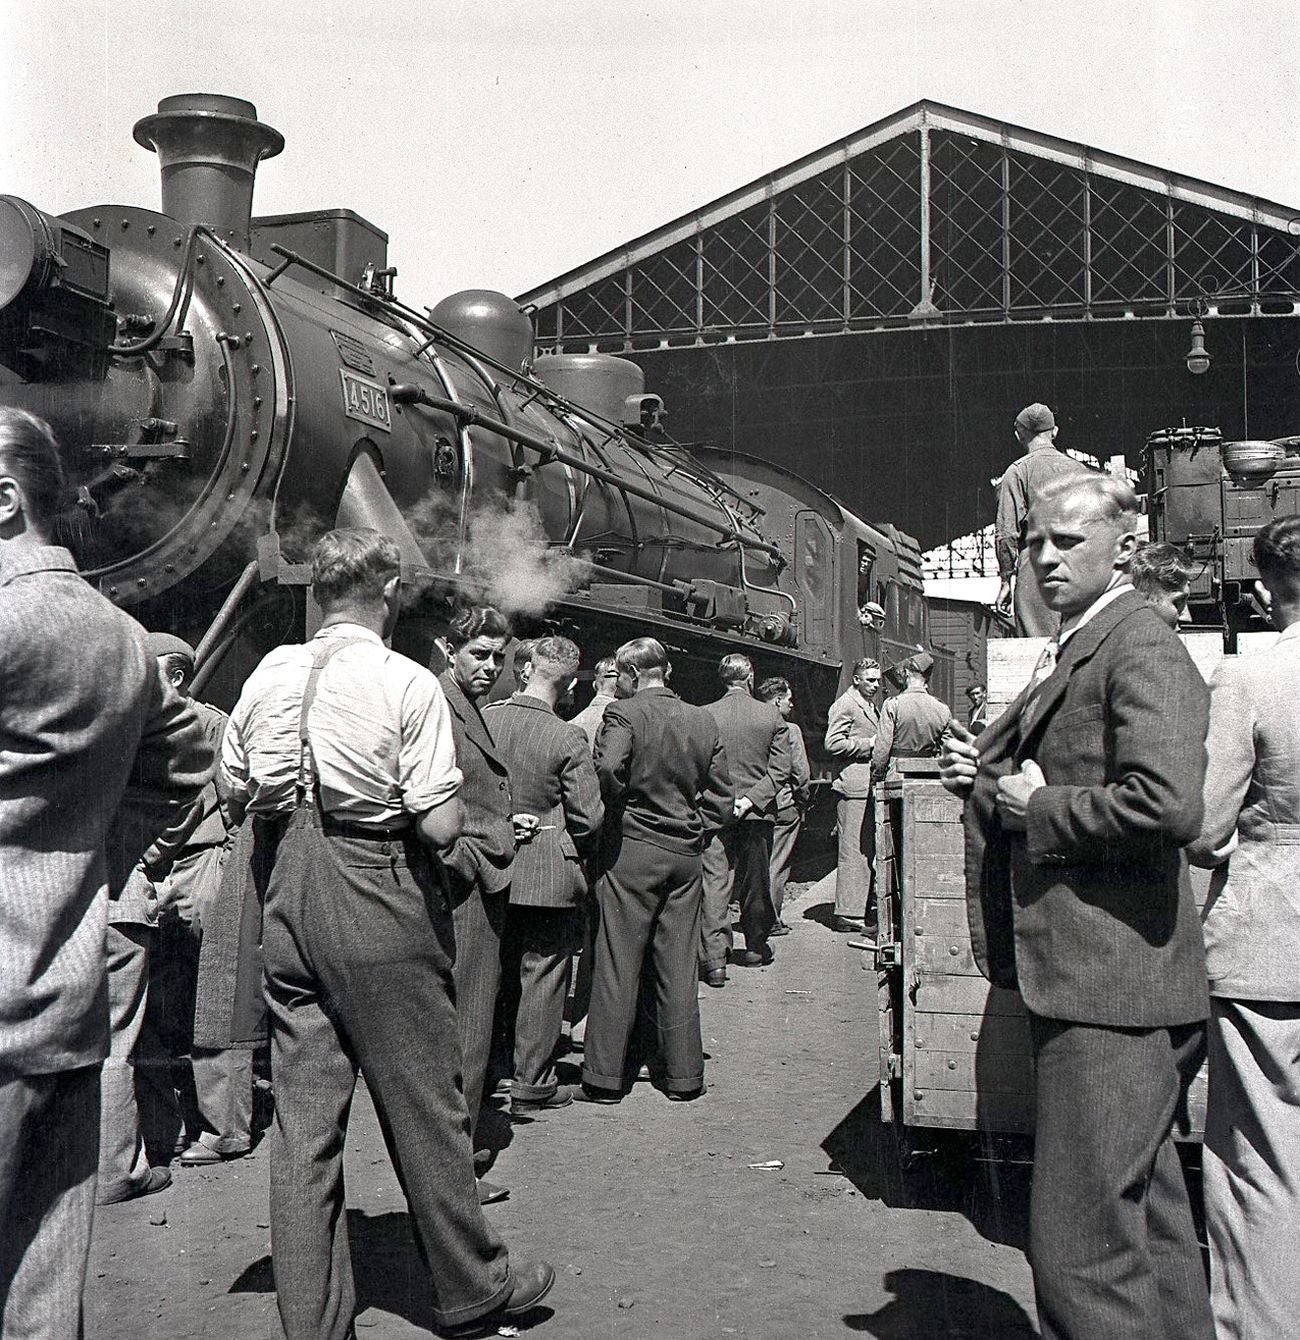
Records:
x=389, y=1272
x=822, y=913
x=988, y=1181
x=929, y=1304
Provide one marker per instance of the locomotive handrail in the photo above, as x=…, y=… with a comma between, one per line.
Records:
x=406, y=393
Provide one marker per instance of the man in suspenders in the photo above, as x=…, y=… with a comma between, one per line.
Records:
x=341, y=752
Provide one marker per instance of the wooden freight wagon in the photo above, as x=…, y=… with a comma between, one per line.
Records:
x=954, y=1051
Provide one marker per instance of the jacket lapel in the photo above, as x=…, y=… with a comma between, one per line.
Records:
x=468, y=715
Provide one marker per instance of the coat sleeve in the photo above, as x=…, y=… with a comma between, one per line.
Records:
x=612, y=755
x=1155, y=727
x=841, y=741
x=779, y=768
x=1013, y=504
x=884, y=739
x=580, y=792
x=800, y=772
x=716, y=797
x=1230, y=746
x=171, y=766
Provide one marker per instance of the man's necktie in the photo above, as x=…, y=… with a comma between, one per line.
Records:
x=1043, y=668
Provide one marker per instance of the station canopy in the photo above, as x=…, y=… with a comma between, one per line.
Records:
x=932, y=216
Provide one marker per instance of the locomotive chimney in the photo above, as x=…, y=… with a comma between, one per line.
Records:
x=210, y=147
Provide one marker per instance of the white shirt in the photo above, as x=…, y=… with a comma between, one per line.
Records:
x=380, y=732
x=1112, y=593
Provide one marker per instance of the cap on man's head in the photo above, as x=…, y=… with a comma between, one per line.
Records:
x=874, y=608
x=164, y=644
x=922, y=663
x=1035, y=419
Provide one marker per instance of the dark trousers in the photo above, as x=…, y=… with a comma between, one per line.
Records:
x=358, y=974
x=207, y=1091
x=739, y=859
x=536, y=964
x=785, y=833
x=1112, y=1242
x=49, y=1149
x=479, y=920
x=649, y=927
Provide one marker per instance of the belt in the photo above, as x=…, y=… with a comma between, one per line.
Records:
x=374, y=832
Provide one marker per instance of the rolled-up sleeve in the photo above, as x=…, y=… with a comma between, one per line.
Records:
x=426, y=757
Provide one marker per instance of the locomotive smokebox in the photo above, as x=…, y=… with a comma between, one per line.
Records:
x=209, y=147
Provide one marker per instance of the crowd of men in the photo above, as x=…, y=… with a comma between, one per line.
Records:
x=379, y=869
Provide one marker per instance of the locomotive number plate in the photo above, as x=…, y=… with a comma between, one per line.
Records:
x=365, y=400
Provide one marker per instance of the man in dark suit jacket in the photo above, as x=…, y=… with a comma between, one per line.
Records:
x=557, y=818
x=478, y=862
x=1080, y=797
x=663, y=774
x=739, y=857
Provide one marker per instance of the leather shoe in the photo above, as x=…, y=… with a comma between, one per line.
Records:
x=562, y=1097
x=530, y=1282
x=689, y=1096
x=157, y=1179
x=199, y=1154
x=847, y=926
x=779, y=929
x=716, y=977
x=489, y=1193
x=588, y=1093
x=754, y=958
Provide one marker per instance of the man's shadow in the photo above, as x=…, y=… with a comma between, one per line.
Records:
x=987, y=1180
x=932, y=1305
x=389, y=1272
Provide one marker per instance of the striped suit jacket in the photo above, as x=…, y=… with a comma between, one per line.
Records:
x=551, y=776
x=486, y=848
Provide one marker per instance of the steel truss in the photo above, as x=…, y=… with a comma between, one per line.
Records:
x=934, y=217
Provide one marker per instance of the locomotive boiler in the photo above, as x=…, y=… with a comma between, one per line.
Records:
x=226, y=388
x=1210, y=498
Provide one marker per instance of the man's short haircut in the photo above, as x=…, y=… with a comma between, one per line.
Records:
x=735, y=668
x=605, y=666
x=352, y=565
x=772, y=689
x=476, y=621
x=973, y=689
x=555, y=658
x=176, y=660
x=1276, y=552
x=863, y=664
x=1115, y=498
x=1160, y=568
x=642, y=653
x=30, y=454
x=523, y=654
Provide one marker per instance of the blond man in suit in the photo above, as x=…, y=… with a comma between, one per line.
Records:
x=557, y=819
x=1251, y=839
x=851, y=728
x=1080, y=797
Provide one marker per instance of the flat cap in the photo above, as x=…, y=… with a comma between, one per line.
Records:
x=1036, y=418
x=164, y=644
x=872, y=607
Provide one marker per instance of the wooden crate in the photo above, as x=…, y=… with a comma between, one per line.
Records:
x=954, y=1051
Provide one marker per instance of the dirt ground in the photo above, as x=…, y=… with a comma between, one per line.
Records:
x=655, y=1220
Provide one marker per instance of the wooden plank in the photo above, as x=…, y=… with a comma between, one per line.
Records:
x=953, y=1110
x=945, y=956
x=964, y=995
x=1205, y=649
x=1247, y=643
x=1011, y=662
x=971, y=1072
x=967, y=1032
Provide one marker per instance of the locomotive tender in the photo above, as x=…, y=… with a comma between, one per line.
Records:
x=225, y=388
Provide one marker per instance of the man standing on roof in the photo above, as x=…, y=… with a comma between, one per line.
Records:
x=1035, y=429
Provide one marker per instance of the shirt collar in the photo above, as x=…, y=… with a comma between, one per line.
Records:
x=39, y=558
x=348, y=630
x=1107, y=597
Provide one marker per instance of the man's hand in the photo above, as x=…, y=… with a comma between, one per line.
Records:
x=1003, y=601
x=960, y=759
x=526, y=826
x=1014, y=792
x=742, y=806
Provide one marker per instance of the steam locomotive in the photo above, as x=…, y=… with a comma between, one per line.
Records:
x=226, y=388
x=1210, y=498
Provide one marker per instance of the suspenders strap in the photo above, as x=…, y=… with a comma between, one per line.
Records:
x=306, y=765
